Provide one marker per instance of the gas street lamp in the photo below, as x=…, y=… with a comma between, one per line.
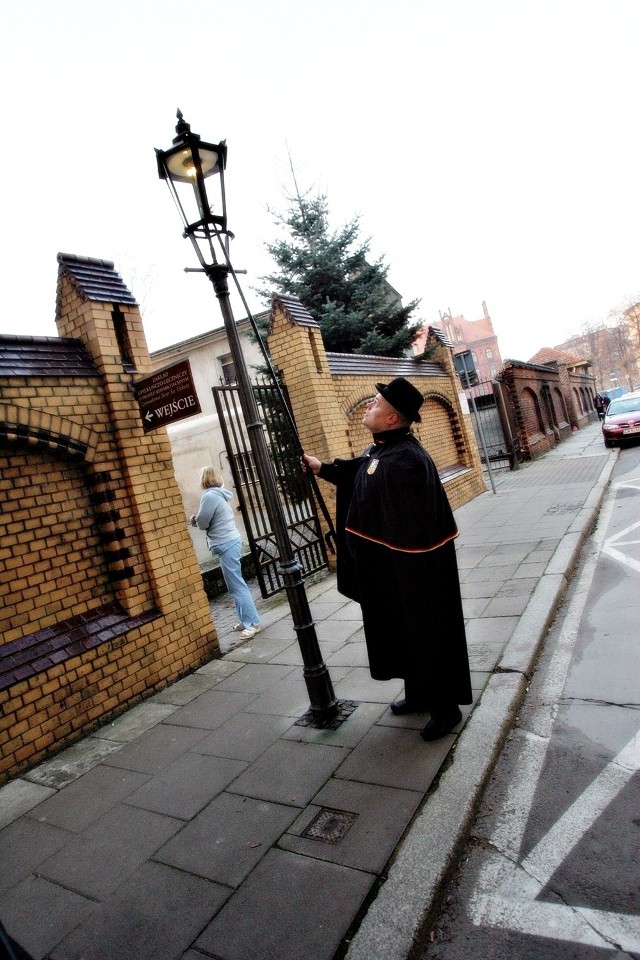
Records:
x=186, y=167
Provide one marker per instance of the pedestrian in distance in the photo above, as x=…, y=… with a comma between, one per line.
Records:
x=395, y=535
x=215, y=516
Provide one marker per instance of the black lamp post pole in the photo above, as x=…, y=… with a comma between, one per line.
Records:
x=324, y=705
x=187, y=164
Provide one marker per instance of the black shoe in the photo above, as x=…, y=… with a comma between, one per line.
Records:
x=400, y=707
x=439, y=726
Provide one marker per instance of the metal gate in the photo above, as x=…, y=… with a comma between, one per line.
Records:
x=490, y=427
x=294, y=489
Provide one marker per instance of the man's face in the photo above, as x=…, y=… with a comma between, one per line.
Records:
x=379, y=415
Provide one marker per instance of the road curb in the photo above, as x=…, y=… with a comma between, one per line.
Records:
x=404, y=902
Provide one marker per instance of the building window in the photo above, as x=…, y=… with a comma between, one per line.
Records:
x=475, y=359
x=489, y=353
x=228, y=369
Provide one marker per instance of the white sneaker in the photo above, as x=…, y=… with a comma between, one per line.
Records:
x=249, y=632
x=238, y=627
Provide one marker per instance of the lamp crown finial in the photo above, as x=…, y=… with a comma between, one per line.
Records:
x=182, y=126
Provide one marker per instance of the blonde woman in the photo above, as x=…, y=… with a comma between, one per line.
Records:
x=215, y=516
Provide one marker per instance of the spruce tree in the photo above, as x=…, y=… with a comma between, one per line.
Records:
x=330, y=273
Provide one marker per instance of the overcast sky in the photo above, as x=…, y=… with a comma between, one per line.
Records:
x=489, y=147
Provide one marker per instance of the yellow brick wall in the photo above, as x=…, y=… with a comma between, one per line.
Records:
x=51, y=565
x=328, y=408
x=79, y=483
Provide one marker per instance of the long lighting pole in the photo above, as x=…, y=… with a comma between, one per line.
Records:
x=190, y=161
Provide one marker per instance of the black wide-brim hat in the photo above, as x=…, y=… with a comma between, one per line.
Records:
x=403, y=397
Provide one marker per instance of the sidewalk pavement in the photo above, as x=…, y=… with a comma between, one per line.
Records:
x=207, y=822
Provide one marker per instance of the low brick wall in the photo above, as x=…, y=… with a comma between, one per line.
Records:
x=544, y=403
x=102, y=598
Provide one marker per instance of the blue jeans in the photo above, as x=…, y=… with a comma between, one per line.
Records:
x=230, y=555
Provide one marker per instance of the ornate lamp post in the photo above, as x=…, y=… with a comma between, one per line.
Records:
x=186, y=166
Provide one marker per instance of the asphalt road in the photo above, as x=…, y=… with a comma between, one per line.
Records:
x=552, y=867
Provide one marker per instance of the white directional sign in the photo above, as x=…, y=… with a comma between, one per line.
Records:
x=167, y=396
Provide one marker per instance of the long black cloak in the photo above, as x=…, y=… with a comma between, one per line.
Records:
x=396, y=556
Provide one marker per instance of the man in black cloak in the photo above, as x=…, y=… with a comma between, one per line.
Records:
x=396, y=557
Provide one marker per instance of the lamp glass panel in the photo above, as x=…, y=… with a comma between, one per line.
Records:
x=181, y=164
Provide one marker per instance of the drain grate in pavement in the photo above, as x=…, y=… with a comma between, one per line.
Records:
x=330, y=826
x=345, y=709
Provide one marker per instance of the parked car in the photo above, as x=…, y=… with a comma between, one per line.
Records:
x=622, y=419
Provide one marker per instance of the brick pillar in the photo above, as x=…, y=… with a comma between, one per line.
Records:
x=297, y=351
x=165, y=569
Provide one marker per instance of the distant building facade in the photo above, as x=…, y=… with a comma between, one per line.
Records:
x=476, y=336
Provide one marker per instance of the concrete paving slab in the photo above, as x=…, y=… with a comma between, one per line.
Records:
x=358, y=685
x=58, y=911
x=351, y=611
x=18, y=797
x=186, y=786
x=228, y=838
x=156, y=749
x=210, y=709
x=336, y=630
x=260, y=923
x=24, y=845
x=289, y=772
x=489, y=572
x=363, y=822
x=350, y=731
x=72, y=763
x=87, y=799
x=327, y=609
x=136, y=721
x=395, y=757
x=474, y=607
x=244, y=737
x=96, y=862
x=278, y=630
x=255, y=678
x=507, y=606
x=259, y=650
x=293, y=655
x=185, y=690
x=507, y=554
x=353, y=654
x=415, y=721
x=219, y=669
x=480, y=589
x=290, y=698
x=471, y=555
x=156, y=915
x=518, y=587
x=530, y=570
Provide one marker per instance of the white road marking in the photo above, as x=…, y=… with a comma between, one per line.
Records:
x=507, y=892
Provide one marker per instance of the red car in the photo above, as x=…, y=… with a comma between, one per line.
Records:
x=622, y=419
